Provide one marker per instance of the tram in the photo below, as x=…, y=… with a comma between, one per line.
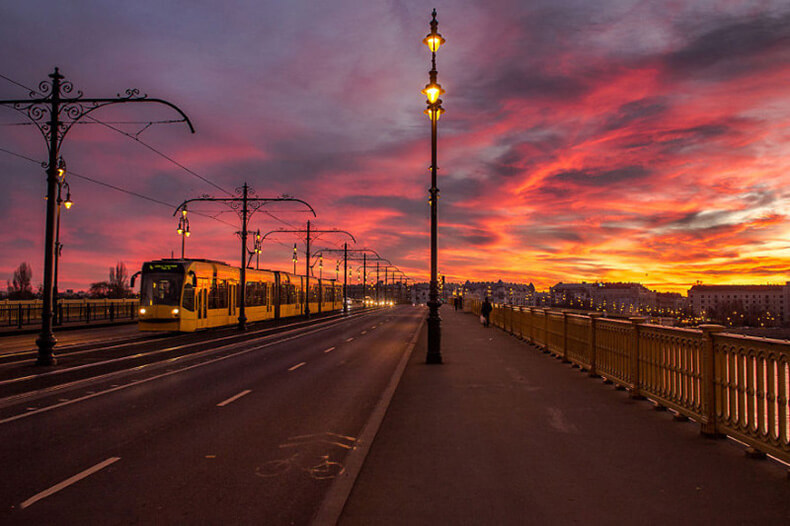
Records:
x=186, y=295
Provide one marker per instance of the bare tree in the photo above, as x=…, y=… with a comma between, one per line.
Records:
x=119, y=281
x=21, y=288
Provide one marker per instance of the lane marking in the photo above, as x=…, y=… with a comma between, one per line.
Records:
x=335, y=498
x=234, y=398
x=350, y=339
x=68, y=482
x=297, y=366
x=364, y=332
x=329, y=350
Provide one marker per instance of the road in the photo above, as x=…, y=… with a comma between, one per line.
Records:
x=253, y=432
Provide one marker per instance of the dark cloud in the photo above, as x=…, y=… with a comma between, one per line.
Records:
x=732, y=49
x=635, y=111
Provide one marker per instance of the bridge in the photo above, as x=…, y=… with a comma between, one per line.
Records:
x=541, y=419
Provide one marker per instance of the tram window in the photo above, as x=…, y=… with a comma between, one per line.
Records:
x=212, y=295
x=160, y=290
x=188, y=301
x=222, y=294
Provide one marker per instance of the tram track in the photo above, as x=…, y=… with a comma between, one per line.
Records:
x=133, y=358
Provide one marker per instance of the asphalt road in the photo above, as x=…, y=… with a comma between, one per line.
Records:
x=252, y=436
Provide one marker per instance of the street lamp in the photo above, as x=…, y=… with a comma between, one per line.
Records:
x=183, y=229
x=61, y=180
x=434, y=110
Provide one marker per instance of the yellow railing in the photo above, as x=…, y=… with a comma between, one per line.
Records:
x=731, y=384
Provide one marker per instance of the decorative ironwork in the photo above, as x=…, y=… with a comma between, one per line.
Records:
x=54, y=114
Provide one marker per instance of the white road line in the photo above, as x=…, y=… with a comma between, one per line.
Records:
x=297, y=366
x=329, y=350
x=233, y=398
x=364, y=332
x=350, y=339
x=68, y=482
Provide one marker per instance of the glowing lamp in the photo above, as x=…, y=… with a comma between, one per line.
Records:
x=433, y=91
x=68, y=202
x=433, y=40
x=180, y=230
x=186, y=233
x=434, y=113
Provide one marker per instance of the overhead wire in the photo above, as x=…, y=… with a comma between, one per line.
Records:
x=133, y=137
x=146, y=145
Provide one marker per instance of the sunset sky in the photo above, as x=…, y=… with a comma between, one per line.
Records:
x=611, y=140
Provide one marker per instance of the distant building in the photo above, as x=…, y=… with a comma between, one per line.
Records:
x=707, y=299
x=500, y=292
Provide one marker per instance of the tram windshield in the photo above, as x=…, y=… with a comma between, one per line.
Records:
x=161, y=289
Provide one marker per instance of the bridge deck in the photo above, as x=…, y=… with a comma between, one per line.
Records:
x=502, y=433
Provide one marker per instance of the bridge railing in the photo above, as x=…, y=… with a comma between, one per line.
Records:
x=18, y=314
x=731, y=384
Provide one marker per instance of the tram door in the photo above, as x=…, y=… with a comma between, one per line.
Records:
x=202, y=297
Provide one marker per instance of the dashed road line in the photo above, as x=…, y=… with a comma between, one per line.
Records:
x=329, y=350
x=234, y=398
x=69, y=481
x=364, y=332
x=350, y=339
x=297, y=366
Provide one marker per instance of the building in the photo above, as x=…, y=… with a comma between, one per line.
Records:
x=717, y=300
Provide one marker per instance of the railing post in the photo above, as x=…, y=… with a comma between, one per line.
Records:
x=636, y=391
x=565, y=337
x=112, y=312
x=546, y=330
x=87, y=312
x=19, y=315
x=594, y=316
x=708, y=427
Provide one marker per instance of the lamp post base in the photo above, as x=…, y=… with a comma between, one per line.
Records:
x=434, y=354
x=46, y=342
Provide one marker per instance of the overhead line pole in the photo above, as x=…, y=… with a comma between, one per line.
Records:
x=245, y=201
x=308, y=231
x=47, y=113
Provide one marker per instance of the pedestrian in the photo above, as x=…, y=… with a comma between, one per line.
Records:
x=455, y=303
x=485, y=311
x=461, y=302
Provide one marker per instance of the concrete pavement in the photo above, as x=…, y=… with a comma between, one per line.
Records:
x=502, y=433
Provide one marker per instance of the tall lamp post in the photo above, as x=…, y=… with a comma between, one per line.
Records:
x=434, y=110
x=183, y=229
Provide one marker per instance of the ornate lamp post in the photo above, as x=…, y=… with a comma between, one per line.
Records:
x=183, y=229
x=434, y=110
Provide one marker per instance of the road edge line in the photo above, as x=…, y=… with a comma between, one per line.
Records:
x=335, y=500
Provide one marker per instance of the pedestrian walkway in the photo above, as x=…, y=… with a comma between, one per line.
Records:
x=502, y=433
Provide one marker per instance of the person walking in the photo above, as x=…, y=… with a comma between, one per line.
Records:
x=485, y=311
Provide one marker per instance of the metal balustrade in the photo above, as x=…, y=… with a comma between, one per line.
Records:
x=18, y=314
x=730, y=384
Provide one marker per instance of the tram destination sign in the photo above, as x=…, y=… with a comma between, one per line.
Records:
x=163, y=267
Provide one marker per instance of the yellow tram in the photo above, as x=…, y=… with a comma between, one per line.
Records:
x=191, y=294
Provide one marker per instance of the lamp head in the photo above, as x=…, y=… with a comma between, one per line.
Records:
x=432, y=91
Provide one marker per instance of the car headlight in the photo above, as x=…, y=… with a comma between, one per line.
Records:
x=142, y=310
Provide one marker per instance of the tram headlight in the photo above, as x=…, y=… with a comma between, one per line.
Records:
x=175, y=312
x=142, y=310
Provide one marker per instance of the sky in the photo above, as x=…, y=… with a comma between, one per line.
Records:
x=613, y=140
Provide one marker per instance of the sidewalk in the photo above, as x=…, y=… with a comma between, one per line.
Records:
x=502, y=433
